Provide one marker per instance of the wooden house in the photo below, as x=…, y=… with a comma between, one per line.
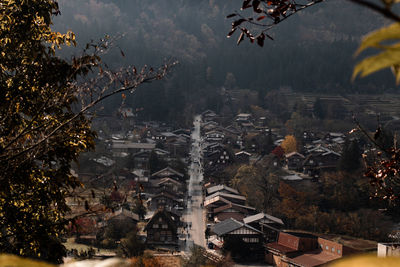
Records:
x=168, y=172
x=233, y=229
x=294, y=161
x=165, y=200
x=242, y=157
x=303, y=249
x=221, y=188
x=162, y=229
x=268, y=224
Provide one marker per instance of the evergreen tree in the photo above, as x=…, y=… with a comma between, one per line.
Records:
x=319, y=109
x=350, y=160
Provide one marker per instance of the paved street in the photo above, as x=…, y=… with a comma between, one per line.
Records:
x=195, y=212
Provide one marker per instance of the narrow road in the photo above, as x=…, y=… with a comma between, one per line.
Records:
x=195, y=212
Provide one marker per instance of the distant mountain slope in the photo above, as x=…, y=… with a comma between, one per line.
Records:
x=313, y=51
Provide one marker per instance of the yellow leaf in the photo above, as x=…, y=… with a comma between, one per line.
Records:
x=366, y=261
x=378, y=62
x=392, y=32
x=15, y=261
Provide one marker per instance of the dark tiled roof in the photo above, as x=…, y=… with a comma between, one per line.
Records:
x=226, y=226
x=230, y=225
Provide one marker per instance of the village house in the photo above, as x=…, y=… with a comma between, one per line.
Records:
x=162, y=229
x=268, y=224
x=233, y=229
x=214, y=136
x=169, y=185
x=242, y=157
x=208, y=115
x=231, y=210
x=220, y=157
x=122, y=217
x=294, y=161
x=165, y=200
x=238, y=199
x=388, y=250
x=168, y=172
x=221, y=188
x=121, y=148
x=304, y=250
x=221, y=205
x=141, y=159
x=243, y=117
x=320, y=160
x=209, y=126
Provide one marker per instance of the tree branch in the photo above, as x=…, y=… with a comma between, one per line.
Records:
x=386, y=12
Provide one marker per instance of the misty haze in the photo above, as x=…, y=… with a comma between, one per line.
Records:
x=199, y=133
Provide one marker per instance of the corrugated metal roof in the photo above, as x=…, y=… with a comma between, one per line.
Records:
x=260, y=216
x=225, y=195
x=216, y=188
x=314, y=258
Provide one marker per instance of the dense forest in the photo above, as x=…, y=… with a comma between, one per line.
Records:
x=313, y=51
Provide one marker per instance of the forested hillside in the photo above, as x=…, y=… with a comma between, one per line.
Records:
x=312, y=51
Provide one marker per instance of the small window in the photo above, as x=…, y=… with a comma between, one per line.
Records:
x=327, y=248
x=333, y=249
x=155, y=225
x=338, y=251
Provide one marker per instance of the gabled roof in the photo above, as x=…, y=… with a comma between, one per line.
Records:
x=260, y=216
x=213, y=145
x=230, y=225
x=170, y=218
x=167, y=195
x=168, y=134
x=242, y=153
x=243, y=115
x=169, y=180
x=160, y=151
x=131, y=145
x=208, y=112
x=232, y=129
x=210, y=123
x=318, y=149
x=168, y=171
x=217, y=188
x=123, y=212
x=233, y=205
x=226, y=196
x=214, y=131
x=289, y=155
x=216, y=199
x=331, y=152
x=141, y=153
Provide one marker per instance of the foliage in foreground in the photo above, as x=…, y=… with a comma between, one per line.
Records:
x=43, y=123
x=266, y=14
